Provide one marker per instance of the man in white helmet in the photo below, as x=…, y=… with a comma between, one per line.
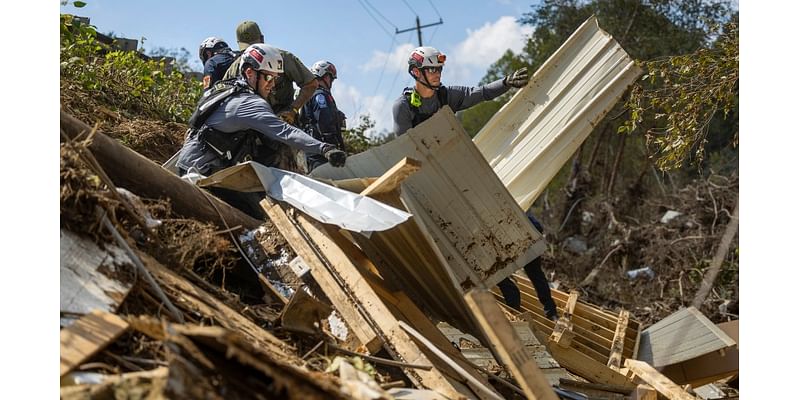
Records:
x=428, y=95
x=320, y=117
x=234, y=123
x=281, y=98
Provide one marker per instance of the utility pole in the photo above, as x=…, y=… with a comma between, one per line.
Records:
x=419, y=29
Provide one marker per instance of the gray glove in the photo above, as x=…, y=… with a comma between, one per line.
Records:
x=335, y=156
x=518, y=79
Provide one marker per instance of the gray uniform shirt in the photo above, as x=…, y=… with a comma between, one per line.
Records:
x=242, y=112
x=294, y=71
x=458, y=98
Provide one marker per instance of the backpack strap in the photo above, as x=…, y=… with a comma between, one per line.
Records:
x=415, y=101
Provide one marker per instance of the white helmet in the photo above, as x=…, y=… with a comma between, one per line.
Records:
x=212, y=43
x=425, y=56
x=262, y=57
x=322, y=67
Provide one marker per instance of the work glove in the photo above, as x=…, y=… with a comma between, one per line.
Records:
x=289, y=116
x=335, y=156
x=518, y=79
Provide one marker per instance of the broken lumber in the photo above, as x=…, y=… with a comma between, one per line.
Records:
x=352, y=295
x=392, y=179
x=615, y=359
x=659, y=382
x=88, y=335
x=131, y=170
x=506, y=344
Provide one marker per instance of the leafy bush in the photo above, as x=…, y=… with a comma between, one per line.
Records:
x=126, y=80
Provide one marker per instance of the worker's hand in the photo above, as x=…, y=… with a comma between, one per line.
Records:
x=335, y=156
x=289, y=116
x=518, y=79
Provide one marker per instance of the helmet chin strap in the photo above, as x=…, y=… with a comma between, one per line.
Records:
x=424, y=80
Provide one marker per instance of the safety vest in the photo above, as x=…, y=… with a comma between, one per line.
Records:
x=415, y=101
x=231, y=148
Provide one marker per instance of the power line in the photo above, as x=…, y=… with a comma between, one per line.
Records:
x=381, y=15
x=374, y=19
x=409, y=7
x=434, y=9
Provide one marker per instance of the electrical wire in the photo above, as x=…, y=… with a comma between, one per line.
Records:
x=434, y=9
x=409, y=7
x=375, y=19
x=381, y=15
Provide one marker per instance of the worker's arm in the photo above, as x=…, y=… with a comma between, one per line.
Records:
x=463, y=97
x=402, y=116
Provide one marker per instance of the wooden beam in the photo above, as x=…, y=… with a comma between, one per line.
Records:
x=569, y=308
x=342, y=280
x=142, y=176
x=345, y=305
x=393, y=177
x=644, y=392
x=562, y=333
x=615, y=360
x=88, y=335
x=505, y=342
x=658, y=381
x=598, y=386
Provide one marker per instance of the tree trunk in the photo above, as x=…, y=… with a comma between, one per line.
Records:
x=719, y=257
x=131, y=170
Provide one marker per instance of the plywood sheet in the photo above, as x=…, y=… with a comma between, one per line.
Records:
x=91, y=278
x=683, y=335
x=531, y=137
x=467, y=215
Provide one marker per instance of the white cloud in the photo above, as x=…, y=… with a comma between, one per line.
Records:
x=353, y=103
x=484, y=46
x=396, y=60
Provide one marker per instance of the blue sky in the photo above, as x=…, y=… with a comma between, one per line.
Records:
x=369, y=57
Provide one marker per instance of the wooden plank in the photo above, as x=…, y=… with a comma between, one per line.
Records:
x=591, y=392
x=562, y=333
x=615, y=360
x=506, y=344
x=392, y=179
x=87, y=336
x=569, y=308
x=92, y=278
x=658, y=381
x=311, y=241
x=598, y=386
x=587, y=367
x=346, y=307
x=644, y=392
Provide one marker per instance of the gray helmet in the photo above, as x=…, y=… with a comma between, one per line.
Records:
x=212, y=43
x=262, y=57
x=322, y=67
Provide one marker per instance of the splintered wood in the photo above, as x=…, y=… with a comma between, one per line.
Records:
x=90, y=334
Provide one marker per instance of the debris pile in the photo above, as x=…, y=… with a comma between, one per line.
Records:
x=166, y=291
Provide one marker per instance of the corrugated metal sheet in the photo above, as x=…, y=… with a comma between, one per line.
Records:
x=471, y=221
x=533, y=135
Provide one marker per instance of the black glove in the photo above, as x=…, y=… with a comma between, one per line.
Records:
x=335, y=156
x=518, y=79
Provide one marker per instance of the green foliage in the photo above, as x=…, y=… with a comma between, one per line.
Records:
x=126, y=80
x=356, y=139
x=681, y=95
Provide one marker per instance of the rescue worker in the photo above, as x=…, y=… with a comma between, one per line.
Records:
x=417, y=104
x=281, y=98
x=533, y=269
x=320, y=117
x=428, y=95
x=234, y=123
x=216, y=56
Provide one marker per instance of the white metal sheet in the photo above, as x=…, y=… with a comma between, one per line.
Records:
x=531, y=137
